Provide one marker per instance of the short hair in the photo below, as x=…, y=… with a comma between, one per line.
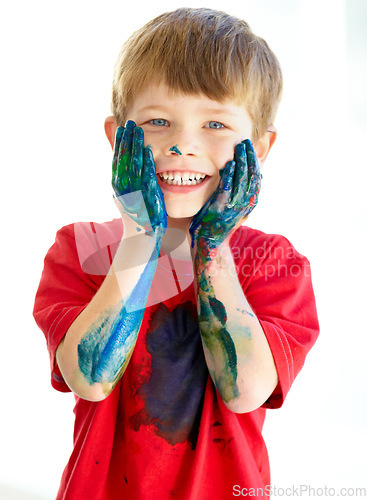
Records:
x=201, y=51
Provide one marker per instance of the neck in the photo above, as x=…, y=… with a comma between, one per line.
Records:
x=182, y=224
x=170, y=239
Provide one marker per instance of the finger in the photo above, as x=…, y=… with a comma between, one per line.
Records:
x=127, y=138
x=124, y=157
x=225, y=187
x=137, y=157
x=253, y=170
x=152, y=192
x=148, y=170
x=118, y=135
x=241, y=173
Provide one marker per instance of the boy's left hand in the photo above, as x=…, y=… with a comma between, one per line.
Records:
x=232, y=202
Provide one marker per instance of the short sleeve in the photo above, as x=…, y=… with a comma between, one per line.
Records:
x=276, y=280
x=74, y=269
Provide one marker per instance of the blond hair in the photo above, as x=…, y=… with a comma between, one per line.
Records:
x=201, y=51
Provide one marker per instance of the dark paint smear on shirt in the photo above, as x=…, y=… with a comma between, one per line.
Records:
x=174, y=394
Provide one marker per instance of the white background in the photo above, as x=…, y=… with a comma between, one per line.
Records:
x=56, y=64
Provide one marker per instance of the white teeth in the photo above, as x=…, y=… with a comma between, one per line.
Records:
x=181, y=178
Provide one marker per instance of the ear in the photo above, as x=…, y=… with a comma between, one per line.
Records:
x=265, y=143
x=110, y=127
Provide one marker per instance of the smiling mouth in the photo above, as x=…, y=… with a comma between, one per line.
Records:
x=181, y=178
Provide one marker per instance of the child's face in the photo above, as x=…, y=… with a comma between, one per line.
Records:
x=189, y=135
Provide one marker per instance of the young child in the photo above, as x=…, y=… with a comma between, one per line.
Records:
x=176, y=326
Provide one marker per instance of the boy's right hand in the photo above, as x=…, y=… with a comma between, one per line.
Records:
x=134, y=181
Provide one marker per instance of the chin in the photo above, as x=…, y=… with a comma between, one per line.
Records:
x=182, y=210
x=184, y=207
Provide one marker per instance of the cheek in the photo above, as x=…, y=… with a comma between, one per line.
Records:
x=150, y=140
x=156, y=139
x=222, y=152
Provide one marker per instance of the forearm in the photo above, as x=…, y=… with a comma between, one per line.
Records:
x=236, y=350
x=98, y=345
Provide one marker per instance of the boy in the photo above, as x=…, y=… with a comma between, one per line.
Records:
x=176, y=326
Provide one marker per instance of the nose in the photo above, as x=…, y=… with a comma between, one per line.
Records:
x=182, y=143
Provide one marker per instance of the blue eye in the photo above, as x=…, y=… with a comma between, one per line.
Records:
x=215, y=125
x=159, y=122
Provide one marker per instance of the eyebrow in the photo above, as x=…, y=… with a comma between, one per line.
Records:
x=162, y=107
x=220, y=111
x=154, y=107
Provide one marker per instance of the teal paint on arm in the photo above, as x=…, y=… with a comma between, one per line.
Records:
x=217, y=339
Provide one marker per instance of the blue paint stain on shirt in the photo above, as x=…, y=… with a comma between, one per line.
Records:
x=174, y=394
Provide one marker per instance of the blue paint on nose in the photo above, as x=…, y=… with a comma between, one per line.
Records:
x=175, y=149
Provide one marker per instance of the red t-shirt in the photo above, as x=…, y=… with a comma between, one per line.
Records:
x=164, y=431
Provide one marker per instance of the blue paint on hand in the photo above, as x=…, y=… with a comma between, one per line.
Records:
x=134, y=180
x=232, y=202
